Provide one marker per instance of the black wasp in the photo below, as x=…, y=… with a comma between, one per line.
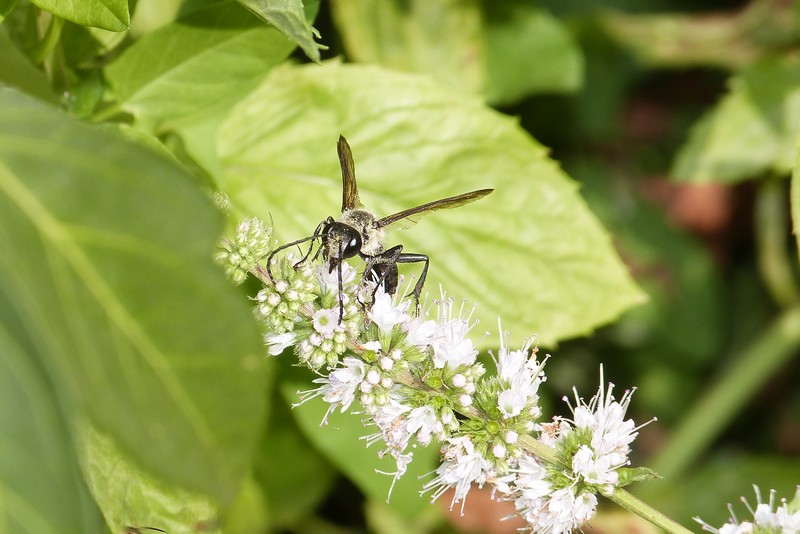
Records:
x=359, y=231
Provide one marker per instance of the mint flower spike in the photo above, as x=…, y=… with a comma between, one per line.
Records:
x=602, y=421
x=767, y=517
x=249, y=248
x=413, y=375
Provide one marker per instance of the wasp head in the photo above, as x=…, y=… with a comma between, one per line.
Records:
x=340, y=241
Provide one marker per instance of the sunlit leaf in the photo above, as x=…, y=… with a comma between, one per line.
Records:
x=531, y=252
x=752, y=130
x=207, y=59
x=42, y=488
x=131, y=497
x=504, y=50
x=289, y=17
x=112, y=15
x=107, y=261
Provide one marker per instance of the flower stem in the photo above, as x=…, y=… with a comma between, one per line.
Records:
x=645, y=511
x=771, y=237
x=777, y=345
x=48, y=43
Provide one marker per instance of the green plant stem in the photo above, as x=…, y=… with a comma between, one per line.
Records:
x=645, y=511
x=732, y=391
x=773, y=259
x=106, y=113
x=48, y=43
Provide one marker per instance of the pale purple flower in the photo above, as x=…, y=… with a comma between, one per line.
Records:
x=422, y=422
x=329, y=281
x=462, y=466
x=277, y=343
x=326, y=321
x=386, y=313
x=339, y=387
x=420, y=332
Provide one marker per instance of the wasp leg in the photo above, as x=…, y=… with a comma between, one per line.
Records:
x=319, y=233
x=416, y=258
x=341, y=289
x=384, y=268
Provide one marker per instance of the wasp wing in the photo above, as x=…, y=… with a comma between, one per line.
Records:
x=349, y=187
x=410, y=216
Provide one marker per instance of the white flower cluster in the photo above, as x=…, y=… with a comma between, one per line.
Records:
x=418, y=380
x=303, y=309
x=594, y=445
x=412, y=375
x=767, y=518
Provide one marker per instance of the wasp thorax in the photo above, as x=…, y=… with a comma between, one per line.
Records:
x=366, y=224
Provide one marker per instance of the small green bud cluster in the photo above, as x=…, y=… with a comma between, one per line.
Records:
x=249, y=248
x=279, y=305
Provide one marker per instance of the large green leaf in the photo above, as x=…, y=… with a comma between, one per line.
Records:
x=503, y=49
x=131, y=497
x=208, y=58
x=295, y=478
x=531, y=252
x=106, y=260
x=42, y=490
x=112, y=15
x=289, y=17
x=752, y=130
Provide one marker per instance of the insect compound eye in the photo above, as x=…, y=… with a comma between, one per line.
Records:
x=352, y=244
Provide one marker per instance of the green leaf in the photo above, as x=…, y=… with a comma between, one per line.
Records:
x=205, y=60
x=131, y=497
x=290, y=19
x=442, y=39
x=294, y=476
x=112, y=15
x=732, y=39
x=629, y=475
x=504, y=50
x=752, y=130
x=795, y=202
x=341, y=442
x=42, y=487
x=17, y=69
x=515, y=34
x=5, y=8
x=531, y=252
x=106, y=259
